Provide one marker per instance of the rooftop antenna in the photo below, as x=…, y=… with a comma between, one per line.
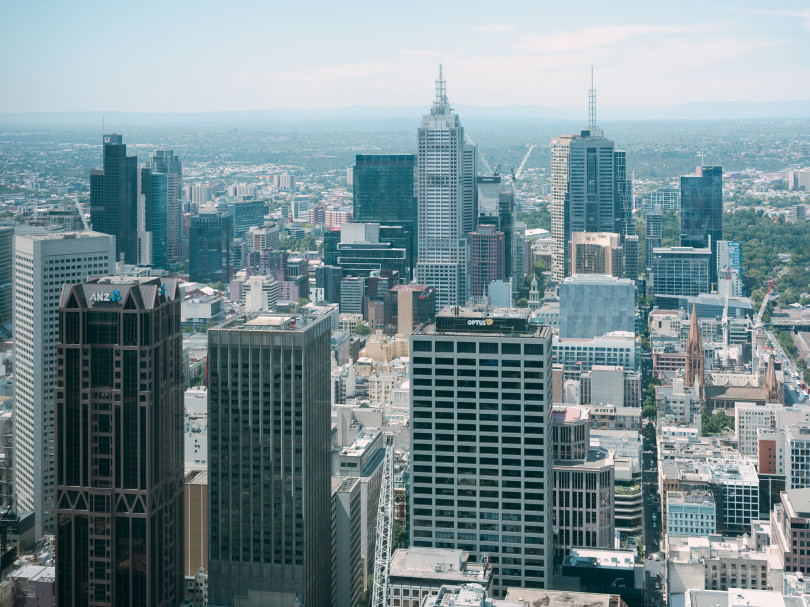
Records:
x=592, y=110
x=440, y=104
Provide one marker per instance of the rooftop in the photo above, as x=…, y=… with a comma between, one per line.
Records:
x=561, y=598
x=616, y=559
x=436, y=564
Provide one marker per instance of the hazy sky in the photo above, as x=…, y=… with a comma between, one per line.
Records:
x=146, y=56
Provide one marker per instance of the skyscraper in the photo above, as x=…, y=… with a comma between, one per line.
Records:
x=42, y=263
x=384, y=193
x=487, y=255
x=269, y=483
x=245, y=214
x=702, y=211
x=590, y=191
x=119, y=443
x=654, y=236
x=153, y=200
x=165, y=161
x=446, y=202
x=481, y=439
x=114, y=198
x=210, y=236
x=6, y=274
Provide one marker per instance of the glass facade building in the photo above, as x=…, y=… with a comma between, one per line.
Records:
x=702, y=211
x=114, y=198
x=384, y=193
x=153, y=244
x=119, y=444
x=269, y=445
x=210, y=236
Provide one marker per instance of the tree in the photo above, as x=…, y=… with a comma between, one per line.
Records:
x=400, y=539
x=361, y=329
x=712, y=425
x=302, y=301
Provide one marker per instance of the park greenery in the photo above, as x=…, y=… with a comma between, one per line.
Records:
x=718, y=423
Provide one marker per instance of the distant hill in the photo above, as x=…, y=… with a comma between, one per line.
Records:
x=404, y=117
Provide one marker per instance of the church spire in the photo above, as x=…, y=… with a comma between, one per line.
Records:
x=771, y=385
x=694, y=353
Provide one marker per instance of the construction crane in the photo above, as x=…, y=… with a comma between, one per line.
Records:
x=469, y=140
x=516, y=175
x=764, y=303
x=385, y=529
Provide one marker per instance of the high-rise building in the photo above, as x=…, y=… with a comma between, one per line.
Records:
x=42, y=263
x=589, y=192
x=165, y=161
x=153, y=200
x=384, y=193
x=799, y=179
x=409, y=306
x=362, y=251
x=480, y=443
x=269, y=483
x=114, y=198
x=592, y=306
x=681, y=271
x=6, y=274
x=596, y=253
x=245, y=214
x=488, y=258
x=446, y=202
x=702, y=211
x=665, y=198
x=655, y=235
x=209, y=237
x=630, y=259
x=119, y=442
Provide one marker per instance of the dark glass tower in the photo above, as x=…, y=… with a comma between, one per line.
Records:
x=384, y=193
x=153, y=245
x=268, y=471
x=209, y=237
x=114, y=198
x=165, y=161
x=119, y=444
x=702, y=211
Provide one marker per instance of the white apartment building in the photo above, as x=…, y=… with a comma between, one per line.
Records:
x=42, y=264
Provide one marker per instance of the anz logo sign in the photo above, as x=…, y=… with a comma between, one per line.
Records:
x=114, y=297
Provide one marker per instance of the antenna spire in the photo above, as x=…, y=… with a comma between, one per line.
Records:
x=440, y=104
x=592, y=105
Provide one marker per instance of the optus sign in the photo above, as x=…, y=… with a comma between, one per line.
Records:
x=480, y=322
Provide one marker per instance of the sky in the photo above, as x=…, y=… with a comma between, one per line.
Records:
x=183, y=57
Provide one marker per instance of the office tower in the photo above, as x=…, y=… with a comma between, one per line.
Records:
x=584, y=476
x=655, y=235
x=623, y=201
x=481, y=476
x=383, y=186
x=583, y=192
x=702, y=211
x=592, y=306
x=446, y=202
x=681, y=271
x=245, y=214
x=362, y=251
x=6, y=274
x=596, y=253
x=264, y=237
x=209, y=240
x=42, y=263
x=665, y=198
x=165, y=161
x=328, y=278
x=630, y=259
x=153, y=201
x=521, y=256
x=694, y=353
x=487, y=257
x=410, y=306
x=268, y=429
x=119, y=441
x=347, y=561
x=114, y=198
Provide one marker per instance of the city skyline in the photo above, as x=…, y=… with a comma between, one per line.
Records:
x=248, y=60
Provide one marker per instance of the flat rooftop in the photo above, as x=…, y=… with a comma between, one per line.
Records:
x=561, y=598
